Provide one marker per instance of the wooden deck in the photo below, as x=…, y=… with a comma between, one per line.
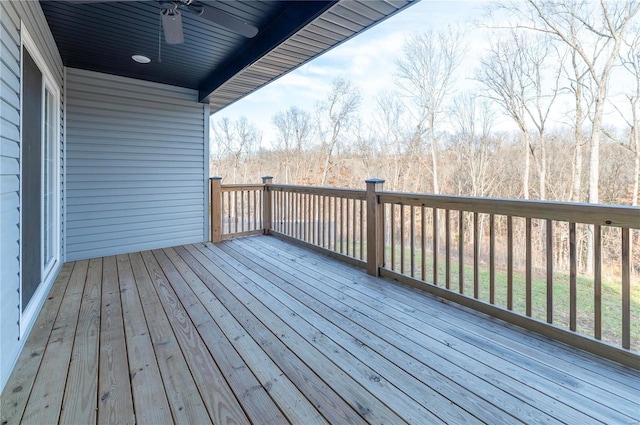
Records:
x=256, y=330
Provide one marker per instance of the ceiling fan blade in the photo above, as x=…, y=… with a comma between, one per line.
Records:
x=172, y=25
x=224, y=19
x=92, y=1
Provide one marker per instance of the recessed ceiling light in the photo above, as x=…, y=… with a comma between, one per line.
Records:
x=140, y=59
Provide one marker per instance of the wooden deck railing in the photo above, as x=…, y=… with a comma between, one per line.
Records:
x=238, y=209
x=522, y=261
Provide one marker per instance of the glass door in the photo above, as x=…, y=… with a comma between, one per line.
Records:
x=40, y=213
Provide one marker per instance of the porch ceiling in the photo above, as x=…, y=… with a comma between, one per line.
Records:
x=223, y=66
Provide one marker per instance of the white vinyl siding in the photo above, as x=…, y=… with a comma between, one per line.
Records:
x=136, y=165
x=11, y=15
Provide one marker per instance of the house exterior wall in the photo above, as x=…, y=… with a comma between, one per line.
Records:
x=14, y=14
x=136, y=165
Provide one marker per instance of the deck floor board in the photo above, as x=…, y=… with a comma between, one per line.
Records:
x=257, y=330
x=475, y=354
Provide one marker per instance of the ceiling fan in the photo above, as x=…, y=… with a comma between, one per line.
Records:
x=171, y=16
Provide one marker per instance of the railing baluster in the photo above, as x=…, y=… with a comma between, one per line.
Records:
x=315, y=219
x=296, y=216
x=549, y=271
x=353, y=228
x=436, y=245
x=261, y=196
x=476, y=257
x=229, y=211
x=447, y=233
x=310, y=218
x=276, y=209
x=354, y=245
x=283, y=212
x=461, y=251
x=242, y=193
x=292, y=214
x=235, y=209
x=348, y=217
x=528, y=266
x=509, y=262
x=341, y=225
x=597, y=281
x=289, y=212
x=323, y=228
x=325, y=222
x=573, y=259
x=362, y=229
x=337, y=224
x=299, y=217
x=275, y=198
x=393, y=236
x=492, y=259
x=402, y=238
x=319, y=220
x=412, y=248
x=423, y=244
x=626, y=288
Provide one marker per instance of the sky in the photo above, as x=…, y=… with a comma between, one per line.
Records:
x=367, y=59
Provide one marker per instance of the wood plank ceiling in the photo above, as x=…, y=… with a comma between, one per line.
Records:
x=223, y=66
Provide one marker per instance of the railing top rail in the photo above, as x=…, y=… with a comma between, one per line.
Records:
x=317, y=190
x=606, y=215
x=235, y=187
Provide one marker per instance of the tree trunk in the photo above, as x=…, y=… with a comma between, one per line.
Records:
x=594, y=167
x=636, y=176
x=577, y=169
x=635, y=138
x=527, y=165
x=434, y=150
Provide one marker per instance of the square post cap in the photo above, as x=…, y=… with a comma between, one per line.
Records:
x=374, y=180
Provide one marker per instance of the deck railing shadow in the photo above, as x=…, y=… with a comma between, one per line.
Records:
x=526, y=262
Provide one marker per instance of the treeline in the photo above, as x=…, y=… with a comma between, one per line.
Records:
x=464, y=171
x=565, y=75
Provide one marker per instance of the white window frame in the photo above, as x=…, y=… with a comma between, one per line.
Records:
x=48, y=273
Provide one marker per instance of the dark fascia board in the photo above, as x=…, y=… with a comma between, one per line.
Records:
x=292, y=20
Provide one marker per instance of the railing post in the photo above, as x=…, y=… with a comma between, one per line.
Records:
x=216, y=208
x=266, y=205
x=375, y=227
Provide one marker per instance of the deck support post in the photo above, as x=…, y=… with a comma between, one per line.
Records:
x=375, y=227
x=216, y=208
x=266, y=205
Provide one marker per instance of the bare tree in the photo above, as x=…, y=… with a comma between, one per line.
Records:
x=391, y=121
x=595, y=32
x=295, y=134
x=334, y=117
x=427, y=72
x=631, y=61
x=515, y=76
x=472, y=119
x=234, y=141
